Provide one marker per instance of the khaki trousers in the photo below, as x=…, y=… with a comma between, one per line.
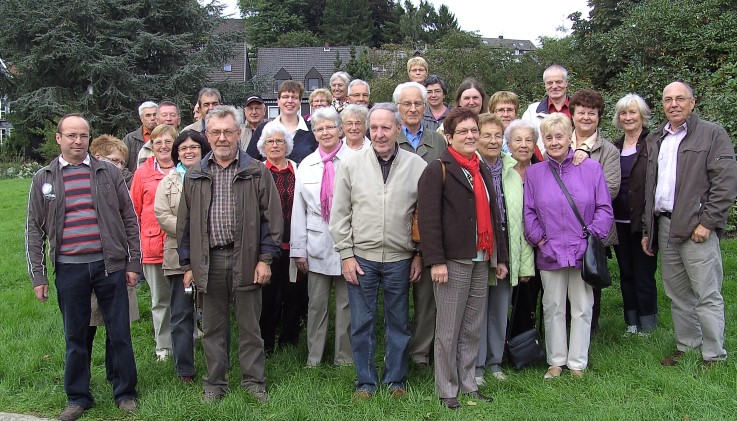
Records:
x=318, y=289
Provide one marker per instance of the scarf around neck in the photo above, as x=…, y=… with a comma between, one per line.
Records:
x=328, y=179
x=484, y=232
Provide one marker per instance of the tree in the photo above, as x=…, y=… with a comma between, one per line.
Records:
x=298, y=39
x=266, y=20
x=103, y=57
x=347, y=23
x=358, y=67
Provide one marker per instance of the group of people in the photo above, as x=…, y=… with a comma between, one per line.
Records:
x=272, y=217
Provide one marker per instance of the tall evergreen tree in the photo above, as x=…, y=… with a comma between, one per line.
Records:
x=347, y=23
x=266, y=20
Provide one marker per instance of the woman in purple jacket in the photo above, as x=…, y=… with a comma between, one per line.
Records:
x=552, y=226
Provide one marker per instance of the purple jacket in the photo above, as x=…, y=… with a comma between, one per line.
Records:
x=549, y=216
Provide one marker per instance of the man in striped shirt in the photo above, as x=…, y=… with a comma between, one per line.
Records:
x=81, y=207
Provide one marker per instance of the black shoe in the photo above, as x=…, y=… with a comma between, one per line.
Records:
x=450, y=403
x=72, y=412
x=480, y=396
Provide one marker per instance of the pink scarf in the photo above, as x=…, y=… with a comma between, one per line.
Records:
x=328, y=179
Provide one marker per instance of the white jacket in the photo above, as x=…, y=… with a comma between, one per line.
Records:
x=310, y=237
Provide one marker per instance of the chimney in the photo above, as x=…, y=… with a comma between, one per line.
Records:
x=501, y=36
x=326, y=47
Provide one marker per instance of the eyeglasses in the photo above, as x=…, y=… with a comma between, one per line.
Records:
x=288, y=97
x=319, y=101
x=275, y=142
x=359, y=95
x=324, y=129
x=189, y=148
x=463, y=132
x=434, y=91
x=115, y=161
x=210, y=104
x=159, y=143
x=505, y=110
x=678, y=99
x=409, y=104
x=75, y=136
x=217, y=133
x=354, y=123
x=488, y=136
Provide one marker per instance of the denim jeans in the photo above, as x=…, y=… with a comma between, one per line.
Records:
x=182, y=327
x=74, y=285
x=393, y=277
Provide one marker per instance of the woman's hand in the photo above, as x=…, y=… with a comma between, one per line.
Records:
x=302, y=265
x=579, y=156
x=439, y=273
x=501, y=270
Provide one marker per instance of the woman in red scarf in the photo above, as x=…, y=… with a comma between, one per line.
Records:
x=461, y=240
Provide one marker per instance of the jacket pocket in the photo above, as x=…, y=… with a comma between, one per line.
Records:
x=547, y=252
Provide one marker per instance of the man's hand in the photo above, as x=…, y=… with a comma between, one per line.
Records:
x=700, y=234
x=42, y=293
x=351, y=270
x=188, y=278
x=131, y=279
x=501, y=270
x=302, y=265
x=524, y=279
x=262, y=274
x=645, y=249
x=439, y=273
x=579, y=157
x=415, y=269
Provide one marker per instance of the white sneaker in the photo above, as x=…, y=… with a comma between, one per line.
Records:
x=480, y=381
x=631, y=330
x=499, y=375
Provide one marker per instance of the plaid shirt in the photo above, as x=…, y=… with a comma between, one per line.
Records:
x=222, y=205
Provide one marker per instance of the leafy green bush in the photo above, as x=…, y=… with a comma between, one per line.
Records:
x=18, y=169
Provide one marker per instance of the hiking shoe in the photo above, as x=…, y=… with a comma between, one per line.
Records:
x=72, y=412
x=128, y=406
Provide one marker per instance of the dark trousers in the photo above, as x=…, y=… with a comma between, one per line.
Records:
x=637, y=279
x=109, y=372
x=182, y=327
x=74, y=286
x=283, y=303
x=526, y=310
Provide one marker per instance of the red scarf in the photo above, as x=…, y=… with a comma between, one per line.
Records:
x=484, y=232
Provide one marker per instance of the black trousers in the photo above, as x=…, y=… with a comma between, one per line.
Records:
x=283, y=305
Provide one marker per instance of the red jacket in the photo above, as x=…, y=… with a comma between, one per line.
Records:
x=143, y=192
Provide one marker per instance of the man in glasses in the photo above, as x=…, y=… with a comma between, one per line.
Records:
x=359, y=92
x=255, y=111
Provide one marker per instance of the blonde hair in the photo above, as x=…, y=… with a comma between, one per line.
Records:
x=416, y=61
x=163, y=129
x=106, y=144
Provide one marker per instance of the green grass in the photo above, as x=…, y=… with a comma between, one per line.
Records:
x=624, y=381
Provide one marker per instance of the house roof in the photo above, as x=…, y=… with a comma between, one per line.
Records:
x=238, y=62
x=514, y=44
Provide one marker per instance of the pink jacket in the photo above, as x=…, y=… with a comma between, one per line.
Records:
x=143, y=193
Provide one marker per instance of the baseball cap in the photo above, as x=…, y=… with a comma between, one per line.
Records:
x=251, y=98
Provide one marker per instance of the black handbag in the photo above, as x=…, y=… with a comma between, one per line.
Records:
x=595, y=270
x=525, y=348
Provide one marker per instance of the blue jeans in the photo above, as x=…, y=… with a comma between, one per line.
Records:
x=74, y=286
x=394, y=280
x=182, y=327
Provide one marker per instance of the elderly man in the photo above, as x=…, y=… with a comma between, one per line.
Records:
x=359, y=92
x=135, y=140
x=374, y=198
x=691, y=183
x=555, y=78
x=436, y=108
x=255, y=111
x=428, y=144
x=230, y=229
x=168, y=114
x=207, y=99
x=93, y=241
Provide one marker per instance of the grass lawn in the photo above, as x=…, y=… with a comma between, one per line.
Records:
x=624, y=381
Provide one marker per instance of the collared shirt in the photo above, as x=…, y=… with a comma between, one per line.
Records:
x=146, y=133
x=386, y=165
x=63, y=162
x=564, y=109
x=589, y=141
x=300, y=126
x=414, y=139
x=222, y=205
x=665, y=191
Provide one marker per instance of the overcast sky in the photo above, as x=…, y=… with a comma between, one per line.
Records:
x=521, y=19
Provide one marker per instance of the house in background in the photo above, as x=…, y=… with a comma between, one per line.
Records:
x=5, y=126
x=237, y=68
x=312, y=66
x=519, y=47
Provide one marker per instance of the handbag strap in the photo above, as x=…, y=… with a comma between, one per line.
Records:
x=508, y=334
x=568, y=197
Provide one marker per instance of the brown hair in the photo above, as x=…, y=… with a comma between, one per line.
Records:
x=106, y=144
x=457, y=115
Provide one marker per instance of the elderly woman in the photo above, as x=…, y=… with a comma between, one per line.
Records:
x=188, y=148
x=636, y=269
x=587, y=108
x=284, y=299
x=509, y=191
x=354, y=125
x=312, y=247
x=470, y=94
x=289, y=99
x=319, y=98
x=143, y=194
x=339, y=87
x=462, y=237
x=436, y=108
x=551, y=226
x=417, y=69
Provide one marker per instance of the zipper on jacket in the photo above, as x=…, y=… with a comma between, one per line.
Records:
x=719, y=158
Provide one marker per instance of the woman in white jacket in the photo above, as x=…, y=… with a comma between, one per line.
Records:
x=311, y=244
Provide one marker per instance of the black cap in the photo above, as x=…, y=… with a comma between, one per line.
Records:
x=251, y=98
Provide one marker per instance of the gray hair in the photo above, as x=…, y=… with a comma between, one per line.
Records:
x=271, y=128
x=222, y=111
x=520, y=125
x=342, y=75
x=355, y=82
x=388, y=106
x=406, y=85
x=556, y=120
x=627, y=101
x=556, y=67
x=355, y=110
x=147, y=104
x=208, y=91
x=326, y=114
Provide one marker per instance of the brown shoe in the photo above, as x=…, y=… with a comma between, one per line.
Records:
x=212, y=397
x=480, y=396
x=450, y=403
x=260, y=395
x=186, y=379
x=398, y=392
x=128, y=406
x=672, y=360
x=72, y=412
x=710, y=363
x=362, y=395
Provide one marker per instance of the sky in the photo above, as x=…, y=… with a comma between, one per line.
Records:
x=521, y=19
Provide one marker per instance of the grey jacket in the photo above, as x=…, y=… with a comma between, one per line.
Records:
x=134, y=141
x=606, y=154
x=706, y=180
x=431, y=145
x=116, y=218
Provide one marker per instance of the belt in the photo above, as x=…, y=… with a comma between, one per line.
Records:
x=225, y=247
x=668, y=215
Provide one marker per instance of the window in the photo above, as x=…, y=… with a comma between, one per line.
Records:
x=228, y=67
x=277, y=83
x=273, y=112
x=313, y=84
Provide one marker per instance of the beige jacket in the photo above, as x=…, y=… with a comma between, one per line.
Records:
x=166, y=205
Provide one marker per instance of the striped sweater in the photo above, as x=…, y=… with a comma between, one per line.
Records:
x=81, y=233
